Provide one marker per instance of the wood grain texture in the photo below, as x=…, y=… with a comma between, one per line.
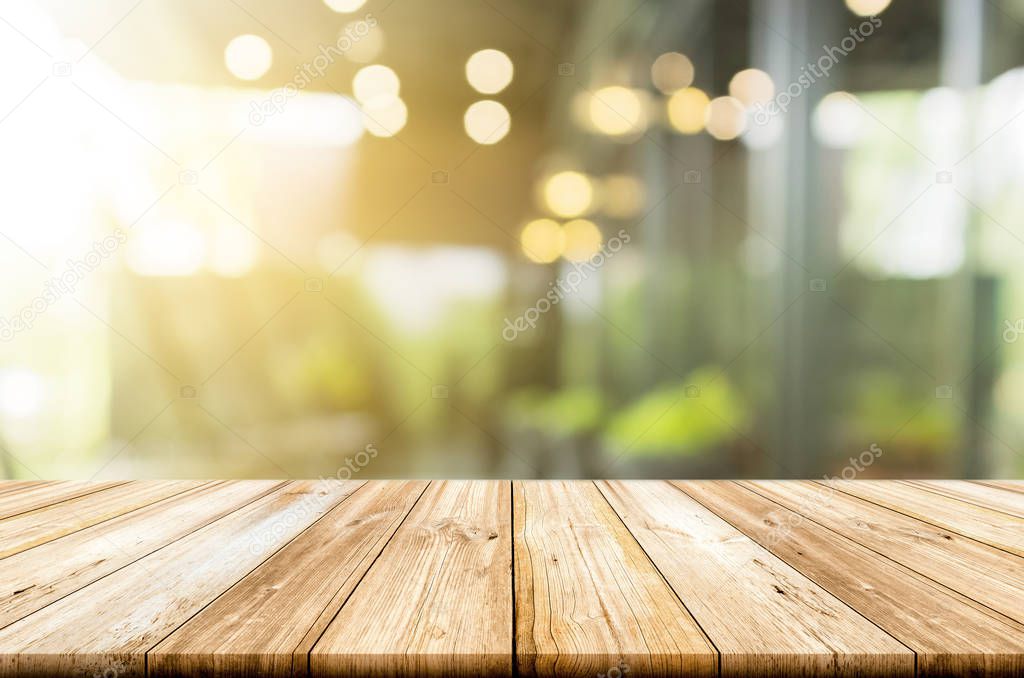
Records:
x=992, y=498
x=981, y=572
x=588, y=600
x=29, y=498
x=438, y=602
x=1009, y=485
x=15, y=485
x=950, y=633
x=111, y=623
x=786, y=625
x=51, y=522
x=968, y=520
x=32, y=579
x=275, y=614
x=467, y=578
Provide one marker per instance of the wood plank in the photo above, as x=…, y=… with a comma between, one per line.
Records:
x=386, y=578
x=984, y=525
x=51, y=522
x=15, y=485
x=986, y=574
x=110, y=624
x=763, y=616
x=588, y=600
x=1009, y=485
x=951, y=634
x=272, y=617
x=973, y=493
x=35, y=497
x=438, y=602
x=37, y=577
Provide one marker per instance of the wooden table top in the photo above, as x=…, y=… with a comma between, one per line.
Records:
x=546, y=578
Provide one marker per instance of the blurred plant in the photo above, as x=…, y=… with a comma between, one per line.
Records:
x=567, y=412
x=682, y=419
x=324, y=376
x=571, y=412
x=883, y=403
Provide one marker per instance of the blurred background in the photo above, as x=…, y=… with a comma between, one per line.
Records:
x=470, y=238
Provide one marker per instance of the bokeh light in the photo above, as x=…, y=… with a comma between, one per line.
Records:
x=248, y=57
x=839, y=120
x=726, y=118
x=867, y=7
x=170, y=248
x=487, y=122
x=687, y=110
x=344, y=6
x=22, y=392
x=582, y=240
x=763, y=134
x=568, y=194
x=543, y=240
x=224, y=181
x=617, y=111
x=671, y=72
x=385, y=117
x=315, y=119
x=489, y=71
x=752, y=86
x=375, y=85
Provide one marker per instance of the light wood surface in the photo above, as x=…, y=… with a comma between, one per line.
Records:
x=950, y=633
x=985, y=496
x=12, y=485
x=710, y=564
x=588, y=599
x=39, y=576
x=279, y=609
x=618, y=579
x=979, y=571
x=36, y=496
x=439, y=600
x=48, y=523
x=1009, y=485
x=111, y=623
x=992, y=527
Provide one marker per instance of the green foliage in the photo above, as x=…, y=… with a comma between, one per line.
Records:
x=322, y=375
x=883, y=403
x=570, y=412
x=678, y=419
